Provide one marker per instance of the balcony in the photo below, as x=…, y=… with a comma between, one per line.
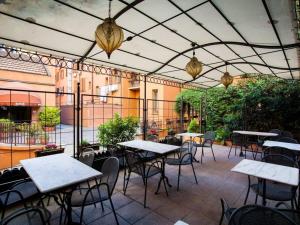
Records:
x=134, y=85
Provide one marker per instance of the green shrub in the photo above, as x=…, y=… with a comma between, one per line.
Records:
x=222, y=134
x=117, y=130
x=194, y=126
x=49, y=117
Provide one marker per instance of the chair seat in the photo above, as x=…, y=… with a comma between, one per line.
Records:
x=274, y=191
x=147, y=156
x=229, y=212
x=152, y=171
x=78, y=196
x=292, y=214
x=174, y=161
x=27, y=189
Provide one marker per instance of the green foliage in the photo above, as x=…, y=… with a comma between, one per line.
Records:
x=84, y=143
x=117, y=130
x=255, y=104
x=222, y=134
x=194, y=126
x=6, y=124
x=49, y=117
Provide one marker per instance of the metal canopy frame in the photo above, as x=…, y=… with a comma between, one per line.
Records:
x=88, y=61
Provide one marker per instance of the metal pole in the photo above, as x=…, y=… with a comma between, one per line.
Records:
x=145, y=109
x=181, y=114
x=78, y=118
x=200, y=115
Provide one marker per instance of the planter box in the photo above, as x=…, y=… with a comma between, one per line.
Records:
x=41, y=153
x=93, y=146
x=49, y=129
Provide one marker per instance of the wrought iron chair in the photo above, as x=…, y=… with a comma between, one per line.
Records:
x=288, y=140
x=101, y=191
x=208, y=140
x=20, y=192
x=87, y=156
x=275, y=131
x=136, y=164
x=236, y=142
x=226, y=211
x=259, y=215
x=185, y=156
x=281, y=151
x=274, y=191
x=28, y=216
x=287, y=134
x=292, y=214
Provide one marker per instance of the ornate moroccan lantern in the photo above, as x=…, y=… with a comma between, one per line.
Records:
x=194, y=67
x=226, y=79
x=109, y=36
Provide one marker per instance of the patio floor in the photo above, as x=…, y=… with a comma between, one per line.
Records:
x=193, y=204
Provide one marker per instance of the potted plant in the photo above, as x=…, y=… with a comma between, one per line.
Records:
x=44, y=138
x=194, y=126
x=50, y=149
x=33, y=132
x=49, y=117
x=6, y=126
x=171, y=132
x=152, y=135
x=222, y=134
x=117, y=130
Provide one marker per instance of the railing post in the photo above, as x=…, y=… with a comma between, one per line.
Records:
x=78, y=119
x=145, y=109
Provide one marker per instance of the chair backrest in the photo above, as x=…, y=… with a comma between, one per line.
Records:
x=134, y=161
x=288, y=140
x=279, y=159
x=87, y=157
x=287, y=134
x=236, y=139
x=275, y=131
x=187, y=147
x=27, y=216
x=279, y=151
x=209, y=135
x=258, y=215
x=110, y=170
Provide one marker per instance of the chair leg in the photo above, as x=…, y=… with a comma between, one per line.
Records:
x=202, y=154
x=194, y=173
x=126, y=185
x=235, y=150
x=179, y=173
x=113, y=209
x=212, y=151
x=256, y=197
x=229, y=151
x=145, y=194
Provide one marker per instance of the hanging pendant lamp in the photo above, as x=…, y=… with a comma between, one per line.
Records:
x=226, y=79
x=109, y=36
x=194, y=67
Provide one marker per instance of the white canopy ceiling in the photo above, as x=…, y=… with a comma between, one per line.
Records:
x=161, y=29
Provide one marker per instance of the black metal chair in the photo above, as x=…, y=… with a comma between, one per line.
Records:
x=226, y=211
x=237, y=141
x=87, y=156
x=259, y=215
x=208, y=140
x=20, y=192
x=292, y=214
x=184, y=156
x=275, y=191
x=288, y=140
x=275, y=131
x=281, y=151
x=28, y=216
x=136, y=164
x=101, y=191
x=287, y=134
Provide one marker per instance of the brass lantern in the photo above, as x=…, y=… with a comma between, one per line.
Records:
x=194, y=67
x=109, y=36
x=226, y=79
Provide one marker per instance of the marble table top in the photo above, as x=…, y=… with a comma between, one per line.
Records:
x=149, y=146
x=268, y=171
x=255, y=133
x=57, y=171
x=291, y=146
x=179, y=222
x=190, y=134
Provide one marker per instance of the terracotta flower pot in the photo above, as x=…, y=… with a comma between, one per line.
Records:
x=31, y=141
x=48, y=129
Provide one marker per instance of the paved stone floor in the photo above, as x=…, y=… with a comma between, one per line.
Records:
x=195, y=204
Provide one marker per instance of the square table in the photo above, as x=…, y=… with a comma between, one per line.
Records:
x=290, y=146
x=58, y=171
x=155, y=147
x=268, y=171
x=253, y=133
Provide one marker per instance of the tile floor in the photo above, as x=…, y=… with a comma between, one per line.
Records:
x=195, y=204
